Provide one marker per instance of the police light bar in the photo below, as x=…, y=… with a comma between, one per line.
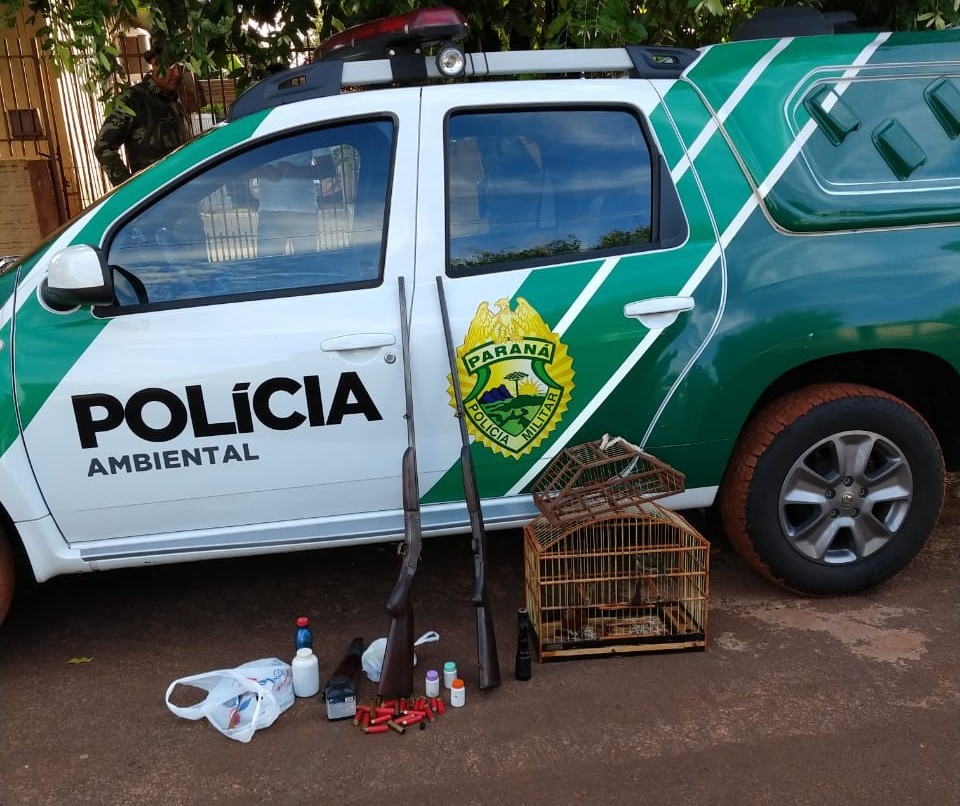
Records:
x=400, y=32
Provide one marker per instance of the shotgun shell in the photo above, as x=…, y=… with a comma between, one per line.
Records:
x=376, y=729
x=365, y=719
x=440, y=708
x=433, y=703
x=388, y=703
x=399, y=727
x=410, y=719
x=361, y=710
x=381, y=720
x=428, y=714
x=380, y=711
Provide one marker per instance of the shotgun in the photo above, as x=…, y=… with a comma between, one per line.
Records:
x=488, y=664
x=396, y=676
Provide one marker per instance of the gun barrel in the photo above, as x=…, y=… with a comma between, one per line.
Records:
x=396, y=676
x=488, y=662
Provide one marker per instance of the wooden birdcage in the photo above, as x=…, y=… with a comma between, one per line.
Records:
x=600, y=477
x=631, y=581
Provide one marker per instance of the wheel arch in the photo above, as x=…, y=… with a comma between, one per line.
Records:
x=14, y=564
x=923, y=380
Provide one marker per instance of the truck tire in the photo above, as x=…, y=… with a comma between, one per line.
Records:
x=7, y=575
x=833, y=488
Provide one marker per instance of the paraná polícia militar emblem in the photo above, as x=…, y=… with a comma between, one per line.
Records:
x=516, y=377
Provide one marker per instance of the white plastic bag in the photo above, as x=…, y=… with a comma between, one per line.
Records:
x=372, y=659
x=240, y=701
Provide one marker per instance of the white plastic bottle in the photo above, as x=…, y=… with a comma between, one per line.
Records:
x=449, y=673
x=306, y=673
x=431, y=683
x=458, y=694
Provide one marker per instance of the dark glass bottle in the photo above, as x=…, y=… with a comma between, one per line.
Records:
x=304, y=634
x=523, y=670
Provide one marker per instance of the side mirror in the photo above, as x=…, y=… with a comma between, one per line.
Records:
x=77, y=275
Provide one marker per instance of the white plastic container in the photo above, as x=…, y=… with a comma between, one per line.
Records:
x=431, y=683
x=449, y=673
x=306, y=673
x=458, y=694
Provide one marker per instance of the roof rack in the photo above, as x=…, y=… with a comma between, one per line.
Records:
x=325, y=78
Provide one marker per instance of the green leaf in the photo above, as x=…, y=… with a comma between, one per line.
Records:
x=558, y=24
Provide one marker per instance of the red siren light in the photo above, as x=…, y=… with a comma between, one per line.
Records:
x=407, y=31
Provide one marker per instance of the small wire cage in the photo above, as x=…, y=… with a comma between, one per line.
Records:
x=601, y=477
x=633, y=581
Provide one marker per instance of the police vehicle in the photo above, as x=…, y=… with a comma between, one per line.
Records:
x=745, y=258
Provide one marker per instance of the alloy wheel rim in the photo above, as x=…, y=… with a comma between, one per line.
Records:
x=846, y=497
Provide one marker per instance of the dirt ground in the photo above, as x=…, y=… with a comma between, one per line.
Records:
x=795, y=701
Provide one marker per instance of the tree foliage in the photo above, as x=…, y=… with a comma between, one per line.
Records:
x=242, y=38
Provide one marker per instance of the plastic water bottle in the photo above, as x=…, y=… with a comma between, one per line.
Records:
x=306, y=673
x=304, y=634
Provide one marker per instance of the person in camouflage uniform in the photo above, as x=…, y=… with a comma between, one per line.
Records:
x=154, y=124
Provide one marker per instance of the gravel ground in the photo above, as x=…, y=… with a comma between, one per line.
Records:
x=795, y=701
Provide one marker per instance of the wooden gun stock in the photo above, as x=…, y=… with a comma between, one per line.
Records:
x=396, y=675
x=488, y=662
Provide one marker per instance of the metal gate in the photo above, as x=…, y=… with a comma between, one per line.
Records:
x=33, y=189
x=48, y=127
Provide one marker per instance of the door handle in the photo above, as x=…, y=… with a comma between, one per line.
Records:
x=657, y=313
x=357, y=341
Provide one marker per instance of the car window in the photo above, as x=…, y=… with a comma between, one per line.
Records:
x=880, y=135
x=545, y=184
x=882, y=151
x=306, y=212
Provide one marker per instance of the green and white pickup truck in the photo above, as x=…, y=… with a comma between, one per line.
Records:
x=744, y=258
